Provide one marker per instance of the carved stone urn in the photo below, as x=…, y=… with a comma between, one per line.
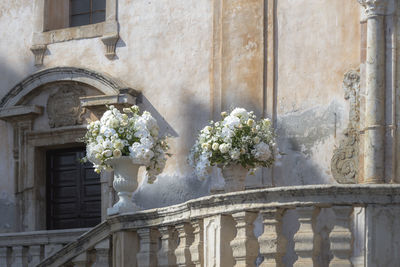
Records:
x=125, y=183
x=235, y=177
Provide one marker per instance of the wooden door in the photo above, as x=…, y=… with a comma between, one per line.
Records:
x=73, y=190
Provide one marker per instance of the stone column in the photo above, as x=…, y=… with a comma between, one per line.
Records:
x=374, y=142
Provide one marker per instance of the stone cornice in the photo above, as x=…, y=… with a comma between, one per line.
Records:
x=375, y=7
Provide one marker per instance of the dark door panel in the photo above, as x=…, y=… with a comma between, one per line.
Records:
x=73, y=190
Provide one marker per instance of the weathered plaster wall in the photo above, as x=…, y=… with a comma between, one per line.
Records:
x=190, y=60
x=317, y=42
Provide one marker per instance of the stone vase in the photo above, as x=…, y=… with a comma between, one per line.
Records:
x=125, y=183
x=235, y=177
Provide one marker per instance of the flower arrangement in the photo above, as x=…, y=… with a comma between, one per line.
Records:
x=237, y=139
x=119, y=134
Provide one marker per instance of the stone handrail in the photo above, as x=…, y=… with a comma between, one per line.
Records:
x=29, y=248
x=207, y=226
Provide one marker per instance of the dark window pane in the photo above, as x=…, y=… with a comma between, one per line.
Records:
x=80, y=6
x=79, y=20
x=98, y=17
x=99, y=5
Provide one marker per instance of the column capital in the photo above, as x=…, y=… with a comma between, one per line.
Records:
x=375, y=8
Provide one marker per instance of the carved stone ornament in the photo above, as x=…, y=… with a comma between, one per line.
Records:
x=63, y=107
x=375, y=7
x=344, y=163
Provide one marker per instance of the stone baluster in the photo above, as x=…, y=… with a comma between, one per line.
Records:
x=35, y=254
x=125, y=245
x=80, y=260
x=4, y=256
x=341, y=238
x=244, y=245
x=272, y=242
x=304, y=238
x=147, y=256
x=182, y=252
x=102, y=254
x=166, y=256
x=19, y=256
x=196, y=249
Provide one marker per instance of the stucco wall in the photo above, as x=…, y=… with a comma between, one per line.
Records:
x=317, y=42
x=167, y=50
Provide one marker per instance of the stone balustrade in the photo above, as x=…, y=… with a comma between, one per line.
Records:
x=30, y=248
x=322, y=225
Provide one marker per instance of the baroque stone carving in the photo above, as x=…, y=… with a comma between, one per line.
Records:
x=63, y=107
x=374, y=7
x=344, y=163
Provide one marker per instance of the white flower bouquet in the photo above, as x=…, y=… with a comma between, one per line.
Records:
x=237, y=139
x=119, y=134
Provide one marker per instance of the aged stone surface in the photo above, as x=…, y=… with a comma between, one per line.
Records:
x=182, y=252
x=344, y=163
x=306, y=200
x=166, y=256
x=147, y=256
x=39, y=51
x=304, y=239
x=341, y=237
x=196, y=248
x=64, y=107
x=375, y=120
x=125, y=248
x=272, y=242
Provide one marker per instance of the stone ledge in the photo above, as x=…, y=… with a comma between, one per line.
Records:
x=15, y=112
x=41, y=237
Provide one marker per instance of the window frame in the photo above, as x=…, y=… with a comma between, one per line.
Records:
x=108, y=30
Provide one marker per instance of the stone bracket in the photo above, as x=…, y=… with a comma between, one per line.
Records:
x=39, y=51
x=110, y=42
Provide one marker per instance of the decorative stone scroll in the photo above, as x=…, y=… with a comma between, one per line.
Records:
x=344, y=163
x=63, y=107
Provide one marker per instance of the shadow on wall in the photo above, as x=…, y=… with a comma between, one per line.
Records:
x=180, y=184
x=308, y=139
x=10, y=75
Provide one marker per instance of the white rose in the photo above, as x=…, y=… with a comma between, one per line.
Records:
x=117, y=153
x=107, y=153
x=215, y=146
x=224, y=148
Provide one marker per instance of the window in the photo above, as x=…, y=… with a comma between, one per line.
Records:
x=61, y=14
x=83, y=12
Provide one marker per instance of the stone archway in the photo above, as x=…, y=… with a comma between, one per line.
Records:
x=23, y=107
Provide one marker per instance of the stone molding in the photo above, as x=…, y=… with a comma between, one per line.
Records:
x=104, y=83
x=344, y=162
x=41, y=38
x=230, y=203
